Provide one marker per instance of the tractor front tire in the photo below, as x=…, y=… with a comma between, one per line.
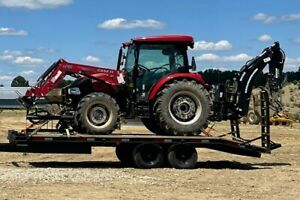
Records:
x=97, y=113
x=182, y=108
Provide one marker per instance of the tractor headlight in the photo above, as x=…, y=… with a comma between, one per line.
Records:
x=74, y=91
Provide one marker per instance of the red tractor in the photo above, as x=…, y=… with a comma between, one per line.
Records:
x=152, y=81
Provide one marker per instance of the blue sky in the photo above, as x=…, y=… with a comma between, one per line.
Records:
x=35, y=33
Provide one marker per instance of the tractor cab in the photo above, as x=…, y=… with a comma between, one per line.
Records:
x=149, y=59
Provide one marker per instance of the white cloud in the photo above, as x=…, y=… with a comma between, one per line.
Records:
x=215, y=58
x=212, y=46
x=17, y=57
x=121, y=23
x=291, y=67
x=12, y=52
x=5, y=31
x=237, y=58
x=264, y=38
x=264, y=18
x=27, y=73
x=40, y=50
x=293, y=60
x=292, y=64
x=6, y=78
x=8, y=55
x=91, y=59
x=45, y=49
x=27, y=60
x=34, y=4
x=297, y=41
x=291, y=17
x=208, y=57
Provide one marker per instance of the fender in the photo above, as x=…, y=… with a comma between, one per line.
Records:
x=106, y=81
x=194, y=76
x=101, y=84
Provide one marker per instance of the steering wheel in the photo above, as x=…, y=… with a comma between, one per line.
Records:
x=153, y=70
x=164, y=67
x=143, y=67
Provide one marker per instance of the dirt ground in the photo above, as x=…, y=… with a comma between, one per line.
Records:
x=100, y=175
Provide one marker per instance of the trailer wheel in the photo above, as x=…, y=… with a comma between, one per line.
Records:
x=253, y=117
x=181, y=156
x=183, y=108
x=148, y=156
x=97, y=113
x=151, y=124
x=124, y=153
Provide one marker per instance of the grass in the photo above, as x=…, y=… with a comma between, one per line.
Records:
x=296, y=116
x=12, y=113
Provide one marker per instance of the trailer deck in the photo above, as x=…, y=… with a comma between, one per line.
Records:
x=59, y=143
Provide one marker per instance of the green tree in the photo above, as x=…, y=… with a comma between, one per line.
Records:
x=19, y=81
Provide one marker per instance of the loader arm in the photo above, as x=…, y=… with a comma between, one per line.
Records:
x=56, y=73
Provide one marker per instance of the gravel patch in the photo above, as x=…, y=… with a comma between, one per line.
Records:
x=55, y=175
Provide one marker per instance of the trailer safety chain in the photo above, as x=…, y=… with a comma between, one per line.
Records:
x=207, y=130
x=27, y=127
x=37, y=129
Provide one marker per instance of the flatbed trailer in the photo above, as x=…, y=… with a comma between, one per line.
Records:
x=144, y=150
x=59, y=143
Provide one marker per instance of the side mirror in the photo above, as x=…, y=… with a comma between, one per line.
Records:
x=193, y=65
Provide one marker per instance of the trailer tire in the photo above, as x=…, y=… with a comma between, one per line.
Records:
x=97, y=113
x=148, y=156
x=182, y=156
x=124, y=153
x=182, y=108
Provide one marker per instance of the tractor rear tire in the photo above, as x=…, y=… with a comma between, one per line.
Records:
x=97, y=113
x=151, y=124
x=182, y=108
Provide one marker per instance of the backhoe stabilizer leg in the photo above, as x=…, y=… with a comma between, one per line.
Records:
x=266, y=141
